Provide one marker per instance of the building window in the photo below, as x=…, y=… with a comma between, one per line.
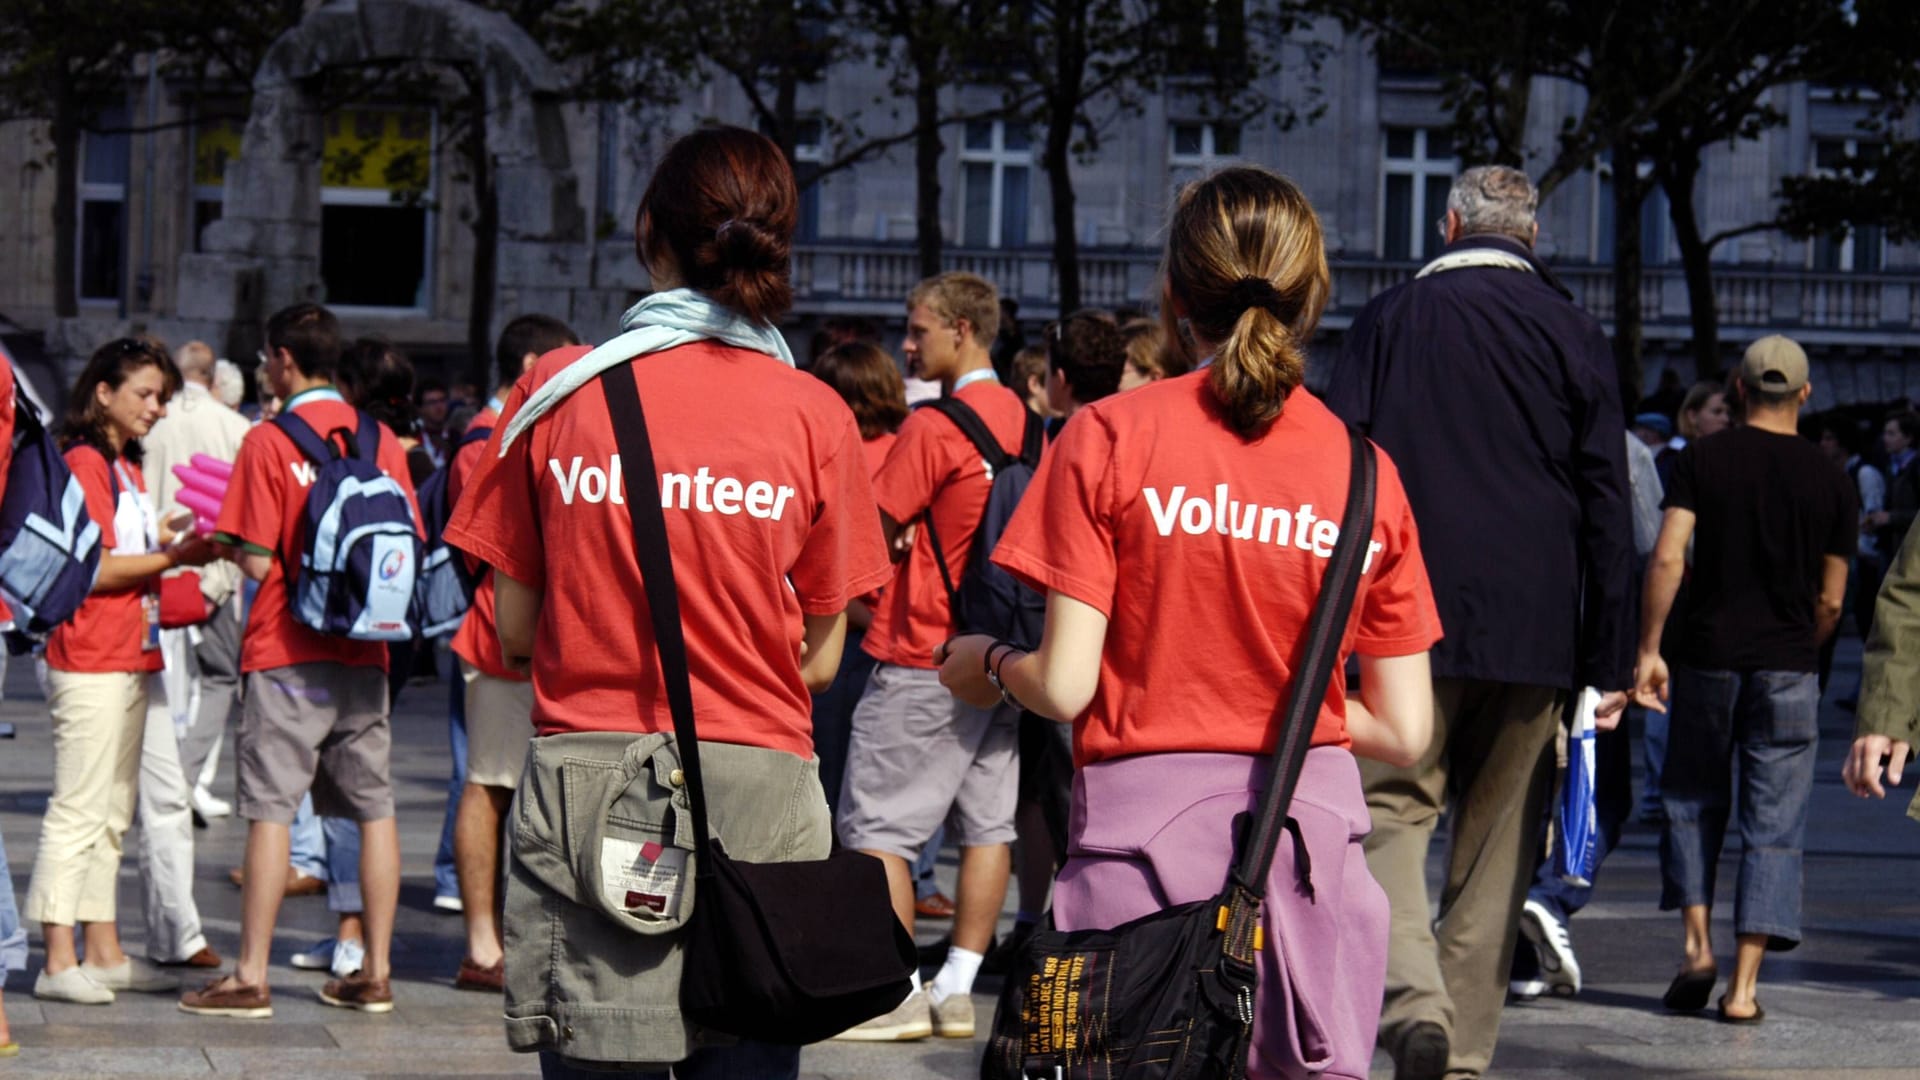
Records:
x=376, y=236
x=1654, y=220
x=996, y=179
x=105, y=157
x=809, y=152
x=1210, y=36
x=1196, y=149
x=1861, y=248
x=216, y=141
x=1416, y=171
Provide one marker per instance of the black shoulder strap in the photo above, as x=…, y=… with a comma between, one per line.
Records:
x=1035, y=440
x=304, y=438
x=656, y=573
x=974, y=428
x=1325, y=629
x=474, y=435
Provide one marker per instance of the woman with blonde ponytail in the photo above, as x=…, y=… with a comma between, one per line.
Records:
x=1180, y=533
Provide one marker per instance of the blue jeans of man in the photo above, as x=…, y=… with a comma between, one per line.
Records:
x=446, y=881
x=744, y=1061
x=13, y=936
x=1769, y=722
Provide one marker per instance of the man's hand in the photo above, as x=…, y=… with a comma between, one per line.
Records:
x=1862, y=770
x=903, y=540
x=1612, y=707
x=1650, y=687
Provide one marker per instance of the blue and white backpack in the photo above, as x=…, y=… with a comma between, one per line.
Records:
x=361, y=550
x=49, y=547
x=446, y=585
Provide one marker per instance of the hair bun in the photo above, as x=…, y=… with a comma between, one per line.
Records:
x=745, y=244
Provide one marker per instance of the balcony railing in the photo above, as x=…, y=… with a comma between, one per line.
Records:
x=877, y=277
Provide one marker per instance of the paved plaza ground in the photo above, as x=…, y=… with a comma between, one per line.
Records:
x=1843, y=1005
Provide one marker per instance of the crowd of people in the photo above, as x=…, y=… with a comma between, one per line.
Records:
x=831, y=525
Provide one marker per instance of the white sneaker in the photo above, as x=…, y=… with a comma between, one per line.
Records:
x=1559, y=968
x=342, y=958
x=953, y=1016
x=909, y=1020
x=72, y=985
x=209, y=806
x=139, y=976
x=1526, y=989
x=449, y=903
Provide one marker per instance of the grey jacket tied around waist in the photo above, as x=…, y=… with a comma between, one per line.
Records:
x=601, y=880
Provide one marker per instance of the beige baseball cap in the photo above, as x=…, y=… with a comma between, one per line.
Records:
x=1775, y=364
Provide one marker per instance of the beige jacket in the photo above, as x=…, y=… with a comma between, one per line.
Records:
x=196, y=423
x=1890, y=680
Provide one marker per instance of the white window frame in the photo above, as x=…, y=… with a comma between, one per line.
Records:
x=1848, y=254
x=1421, y=168
x=352, y=196
x=1002, y=159
x=1209, y=158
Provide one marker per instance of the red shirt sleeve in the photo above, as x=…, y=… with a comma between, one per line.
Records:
x=915, y=468
x=7, y=405
x=1397, y=616
x=253, y=510
x=844, y=555
x=96, y=479
x=1061, y=537
x=498, y=522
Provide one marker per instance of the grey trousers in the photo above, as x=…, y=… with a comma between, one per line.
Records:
x=1492, y=761
x=217, y=662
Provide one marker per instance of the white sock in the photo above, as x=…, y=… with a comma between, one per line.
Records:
x=956, y=975
x=916, y=981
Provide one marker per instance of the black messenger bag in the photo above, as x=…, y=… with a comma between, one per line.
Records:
x=786, y=953
x=1170, y=995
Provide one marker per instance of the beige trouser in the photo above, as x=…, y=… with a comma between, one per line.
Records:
x=1492, y=759
x=99, y=721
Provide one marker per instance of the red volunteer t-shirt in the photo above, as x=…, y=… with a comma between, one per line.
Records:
x=265, y=502
x=934, y=464
x=478, y=639
x=109, y=631
x=769, y=514
x=1206, y=554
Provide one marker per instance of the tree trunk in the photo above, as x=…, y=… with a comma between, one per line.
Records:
x=1057, y=159
x=927, y=149
x=1679, y=179
x=1629, y=321
x=486, y=236
x=66, y=192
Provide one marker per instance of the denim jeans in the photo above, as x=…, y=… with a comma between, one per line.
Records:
x=446, y=882
x=1771, y=720
x=13, y=936
x=833, y=716
x=744, y=1061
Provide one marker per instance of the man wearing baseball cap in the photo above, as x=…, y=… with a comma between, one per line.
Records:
x=1772, y=521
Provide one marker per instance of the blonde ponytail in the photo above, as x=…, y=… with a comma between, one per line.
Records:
x=1246, y=264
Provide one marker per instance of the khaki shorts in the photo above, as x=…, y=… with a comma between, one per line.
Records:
x=918, y=757
x=320, y=727
x=499, y=723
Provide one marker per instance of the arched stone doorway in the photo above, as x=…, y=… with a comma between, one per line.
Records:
x=264, y=252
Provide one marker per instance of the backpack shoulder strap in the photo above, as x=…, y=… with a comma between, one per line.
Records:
x=474, y=435
x=304, y=438
x=366, y=436
x=1034, y=441
x=974, y=428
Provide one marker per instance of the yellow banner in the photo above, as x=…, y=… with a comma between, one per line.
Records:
x=377, y=149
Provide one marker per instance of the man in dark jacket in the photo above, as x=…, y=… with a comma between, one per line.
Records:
x=1497, y=398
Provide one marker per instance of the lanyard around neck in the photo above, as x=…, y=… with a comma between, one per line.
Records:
x=971, y=377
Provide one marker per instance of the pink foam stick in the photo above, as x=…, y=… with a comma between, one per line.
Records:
x=196, y=480
x=213, y=466
x=204, y=524
x=201, y=503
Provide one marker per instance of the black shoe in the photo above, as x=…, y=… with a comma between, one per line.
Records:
x=1423, y=1053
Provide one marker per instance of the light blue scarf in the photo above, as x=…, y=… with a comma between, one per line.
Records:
x=660, y=322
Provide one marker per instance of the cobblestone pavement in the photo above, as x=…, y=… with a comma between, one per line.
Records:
x=1842, y=1005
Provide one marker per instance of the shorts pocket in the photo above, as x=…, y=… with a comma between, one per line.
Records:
x=629, y=836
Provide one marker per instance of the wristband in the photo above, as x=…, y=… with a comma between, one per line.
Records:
x=993, y=671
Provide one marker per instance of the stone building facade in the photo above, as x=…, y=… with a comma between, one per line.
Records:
x=202, y=226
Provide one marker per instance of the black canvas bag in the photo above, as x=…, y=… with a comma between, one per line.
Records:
x=1170, y=996
x=776, y=952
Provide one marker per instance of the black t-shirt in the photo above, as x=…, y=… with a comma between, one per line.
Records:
x=1769, y=507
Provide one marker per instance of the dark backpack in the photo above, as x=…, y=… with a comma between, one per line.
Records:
x=361, y=550
x=446, y=584
x=988, y=600
x=49, y=547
